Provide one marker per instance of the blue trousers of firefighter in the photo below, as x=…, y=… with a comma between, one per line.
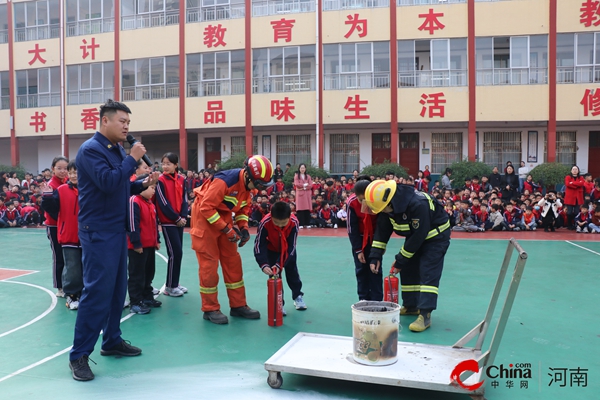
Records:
x=292, y=277
x=105, y=288
x=420, y=278
x=369, y=285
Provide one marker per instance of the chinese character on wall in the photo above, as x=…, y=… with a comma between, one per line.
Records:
x=91, y=47
x=354, y=105
x=590, y=13
x=431, y=23
x=90, y=119
x=435, y=103
x=37, y=121
x=591, y=102
x=282, y=29
x=283, y=109
x=37, y=54
x=214, y=36
x=360, y=25
x=215, y=113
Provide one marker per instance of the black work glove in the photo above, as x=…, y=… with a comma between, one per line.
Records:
x=244, y=237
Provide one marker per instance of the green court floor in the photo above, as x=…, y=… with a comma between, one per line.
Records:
x=555, y=323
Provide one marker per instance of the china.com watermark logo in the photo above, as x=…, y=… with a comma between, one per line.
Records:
x=511, y=371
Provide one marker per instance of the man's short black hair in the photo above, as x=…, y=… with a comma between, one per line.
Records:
x=281, y=210
x=111, y=107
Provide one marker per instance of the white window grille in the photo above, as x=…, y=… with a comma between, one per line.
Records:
x=446, y=148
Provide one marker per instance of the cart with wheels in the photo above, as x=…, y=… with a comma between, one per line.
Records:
x=420, y=366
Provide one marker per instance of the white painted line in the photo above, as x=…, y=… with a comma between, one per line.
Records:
x=584, y=248
x=29, y=271
x=53, y=356
x=52, y=306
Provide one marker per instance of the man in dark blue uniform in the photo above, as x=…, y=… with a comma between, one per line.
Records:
x=422, y=220
x=104, y=189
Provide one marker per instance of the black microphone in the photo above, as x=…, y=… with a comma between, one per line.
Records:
x=133, y=141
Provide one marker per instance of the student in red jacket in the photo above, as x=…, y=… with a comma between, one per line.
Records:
x=11, y=217
x=574, y=183
x=142, y=243
x=59, y=177
x=275, y=248
x=172, y=209
x=64, y=203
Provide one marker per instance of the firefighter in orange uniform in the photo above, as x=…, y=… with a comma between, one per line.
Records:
x=219, y=220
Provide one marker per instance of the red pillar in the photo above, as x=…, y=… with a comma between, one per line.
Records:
x=248, y=73
x=552, y=84
x=14, y=142
x=472, y=143
x=393, y=84
x=183, y=144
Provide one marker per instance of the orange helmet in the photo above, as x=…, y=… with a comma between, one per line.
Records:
x=260, y=172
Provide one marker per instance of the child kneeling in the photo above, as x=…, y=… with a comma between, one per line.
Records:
x=275, y=248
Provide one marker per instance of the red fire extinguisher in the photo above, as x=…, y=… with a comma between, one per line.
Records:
x=390, y=288
x=275, y=301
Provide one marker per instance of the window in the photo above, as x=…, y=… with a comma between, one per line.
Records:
x=3, y=24
x=238, y=145
x=566, y=147
x=90, y=83
x=500, y=147
x=38, y=87
x=213, y=10
x=4, y=91
x=437, y=62
x=35, y=20
x=446, y=148
x=137, y=14
x=283, y=69
x=512, y=60
x=86, y=17
x=578, y=57
x=293, y=149
x=275, y=7
x=420, y=2
x=344, y=153
x=329, y=5
x=363, y=65
x=150, y=78
x=215, y=74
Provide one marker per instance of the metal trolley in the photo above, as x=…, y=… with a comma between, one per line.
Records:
x=421, y=366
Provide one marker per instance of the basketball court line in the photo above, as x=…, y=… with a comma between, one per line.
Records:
x=60, y=353
x=584, y=248
x=48, y=311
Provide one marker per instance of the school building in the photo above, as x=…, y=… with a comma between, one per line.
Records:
x=339, y=83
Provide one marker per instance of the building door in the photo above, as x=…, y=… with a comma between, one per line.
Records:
x=380, y=148
x=594, y=154
x=212, y=151
x=409, y=152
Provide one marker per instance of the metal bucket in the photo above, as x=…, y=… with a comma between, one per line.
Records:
x=375, y=326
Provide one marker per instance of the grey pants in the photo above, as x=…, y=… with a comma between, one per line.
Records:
x=72, y=275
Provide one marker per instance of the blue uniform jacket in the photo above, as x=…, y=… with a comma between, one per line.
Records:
x=103, y=171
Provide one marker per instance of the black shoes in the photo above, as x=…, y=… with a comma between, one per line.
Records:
x=122, y=349
x=245, y=312
x=152, y=303
x=81, y=369
x=216, y=317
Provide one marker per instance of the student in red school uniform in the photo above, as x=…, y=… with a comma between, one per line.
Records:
x=142, y=243
x=275, y=249
x=10, y=217
x=64, y=202
x=59, y=176
x=172, y=209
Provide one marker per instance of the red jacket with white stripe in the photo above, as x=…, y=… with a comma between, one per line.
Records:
x=356, y=223
x=142, y=224
x=64, y=203
x=171, y=200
